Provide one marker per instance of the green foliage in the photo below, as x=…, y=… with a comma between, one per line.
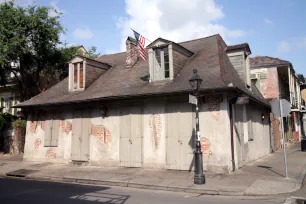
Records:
x=92, y=52
x=6, y=120
x=30, y=38
x=20, y=124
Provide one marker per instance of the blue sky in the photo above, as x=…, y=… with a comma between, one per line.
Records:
x=274, y=28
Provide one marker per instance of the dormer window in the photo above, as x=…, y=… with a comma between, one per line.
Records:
x=78, y=76
x=83, y=72
x=166, y=59
x=161, y=63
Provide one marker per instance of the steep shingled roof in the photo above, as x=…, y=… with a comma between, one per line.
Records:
x=243, y=46
x=266, y=61
x=210, y=59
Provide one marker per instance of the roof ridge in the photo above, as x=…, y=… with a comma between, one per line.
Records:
x=110, y=54
x=198, y=39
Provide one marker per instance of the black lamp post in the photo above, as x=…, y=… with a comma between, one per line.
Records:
x=199, y=177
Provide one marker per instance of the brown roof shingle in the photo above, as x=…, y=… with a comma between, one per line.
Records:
x=266, y=61
x=120, y=82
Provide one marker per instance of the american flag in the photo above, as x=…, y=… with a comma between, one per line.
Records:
x=141, y=41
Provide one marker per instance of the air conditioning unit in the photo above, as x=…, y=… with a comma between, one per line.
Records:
x=255, y=76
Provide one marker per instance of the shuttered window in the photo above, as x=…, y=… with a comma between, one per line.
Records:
x=52, y=130
x=250, y=123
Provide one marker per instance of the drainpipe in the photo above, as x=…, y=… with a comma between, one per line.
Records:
x=231, y=103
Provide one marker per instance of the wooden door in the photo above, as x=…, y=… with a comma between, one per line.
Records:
x=131, y=136
x=125, y=131
x=187, y=141
x=172, y=137
x=239, y=134
x=85, y=136
x=179, y=152
x=80, y=136
x=136, y=136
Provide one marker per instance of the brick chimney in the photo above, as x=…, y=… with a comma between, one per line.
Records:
x=131, y=52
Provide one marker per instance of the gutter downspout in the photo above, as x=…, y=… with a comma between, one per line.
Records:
x=231, y=103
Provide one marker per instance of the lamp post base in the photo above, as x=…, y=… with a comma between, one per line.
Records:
x=199, y=179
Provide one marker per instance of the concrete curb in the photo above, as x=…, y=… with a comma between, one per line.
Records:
x=190, y=189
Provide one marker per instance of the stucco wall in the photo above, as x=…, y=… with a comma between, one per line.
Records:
x=35, y=134
x=251, y=141
x=105, y=135
x=215, y=127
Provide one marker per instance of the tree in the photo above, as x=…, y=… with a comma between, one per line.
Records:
x=29, y=38
x=92, y=52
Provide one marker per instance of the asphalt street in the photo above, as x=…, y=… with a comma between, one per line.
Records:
x=28, y=191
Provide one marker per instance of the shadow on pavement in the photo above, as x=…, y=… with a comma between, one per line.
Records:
x=270, y=169
x=28, y=191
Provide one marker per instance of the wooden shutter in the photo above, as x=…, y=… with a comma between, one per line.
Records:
x=48, y=129
x=250, y=123
x=55, y=130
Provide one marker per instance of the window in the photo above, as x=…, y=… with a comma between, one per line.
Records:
x=77, y=76
x=166, y=62
x=52, y=130
x=161, y=66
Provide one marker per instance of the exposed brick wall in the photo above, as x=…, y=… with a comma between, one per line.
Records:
x=33, y=125
x=156, y=128
x=103, y=134
x=62, y=124
x=272, y=88
x=51, y=153
x=68, y=127
x=37, y=143
x=276, y=132
x=269, y=85
x=179, y=61
x=214, y=102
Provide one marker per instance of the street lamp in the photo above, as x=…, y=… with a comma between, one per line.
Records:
x=199, y=177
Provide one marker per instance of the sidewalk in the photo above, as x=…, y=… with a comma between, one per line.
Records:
x=262, y=177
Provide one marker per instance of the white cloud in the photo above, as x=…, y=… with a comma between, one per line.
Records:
x=176, y=20
x=55, y=10
x=82, y=33
x=268, y=21
x=284, y=47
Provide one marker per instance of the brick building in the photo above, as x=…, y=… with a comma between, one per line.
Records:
x=118, y=110
x=276, y=79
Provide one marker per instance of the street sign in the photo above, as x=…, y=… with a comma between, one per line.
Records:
x=285, y=107
x=193, y=99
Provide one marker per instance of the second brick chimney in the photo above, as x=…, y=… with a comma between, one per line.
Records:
x=131, y=52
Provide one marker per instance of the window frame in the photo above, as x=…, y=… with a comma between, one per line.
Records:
x=72, y=75
x=161, y=63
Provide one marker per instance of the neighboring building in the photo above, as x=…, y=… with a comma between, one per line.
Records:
x=118, y=110
x=303, y=102
x=9, y=96
x=276, y=78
